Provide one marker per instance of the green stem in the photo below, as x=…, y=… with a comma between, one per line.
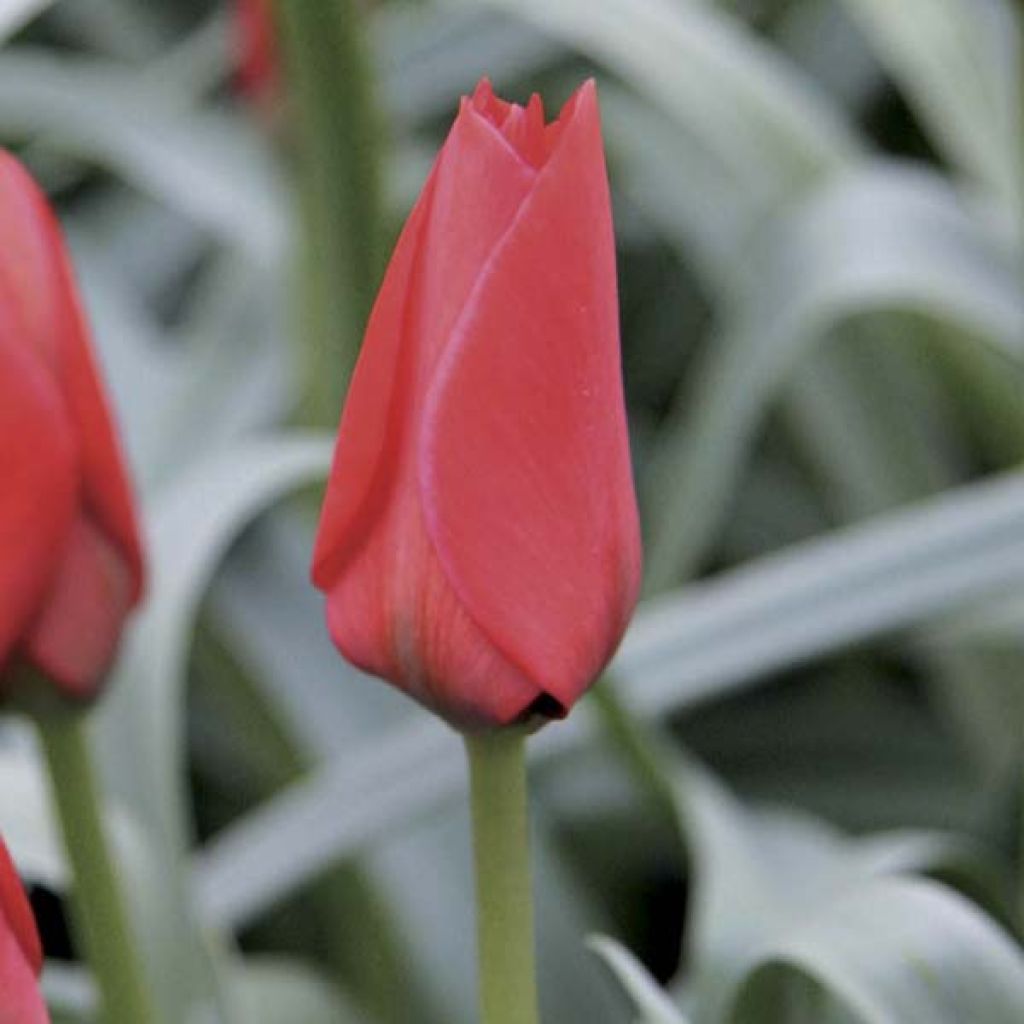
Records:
x=338, y=140
x=100, y=918
x=497, y=771
x=1020, y=851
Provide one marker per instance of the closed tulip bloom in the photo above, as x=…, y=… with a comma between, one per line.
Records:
x=256, y=49
x=21, y=956
x=70, y=560
x=479, y=544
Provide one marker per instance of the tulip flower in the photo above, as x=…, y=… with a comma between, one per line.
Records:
x=256, y=49
x=479, y=545
x=70, y=560
x=21, y=955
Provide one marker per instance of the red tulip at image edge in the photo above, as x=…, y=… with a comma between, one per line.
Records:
x=479, y=544
x=70, y=559
x=255, y=49
x=21, y=956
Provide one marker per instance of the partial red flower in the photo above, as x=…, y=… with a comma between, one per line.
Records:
x=479, y=544
x=256, y=49
x=70, y=558
x=21, y=955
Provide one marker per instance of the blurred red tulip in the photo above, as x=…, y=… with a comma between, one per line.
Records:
x=21, y=956
x=479, y=544
x=70, y=559
x=257, y=59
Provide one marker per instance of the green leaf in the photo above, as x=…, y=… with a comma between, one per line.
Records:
x=690, y=192
x=884, y=237
x=960, y=64
x=205, y=164
x=776, y=889
x=16, y=13
x=893, y=951
x=784, y=888
x=191, y=523
x=647, y=996
x=140, y=739
x=26, y=820
x=272, y=991
x=867, y=410
x=706, y=71
x=896, y=571
x=168, y=386
x=878, y=439
x=428, y=57
x=69, y=992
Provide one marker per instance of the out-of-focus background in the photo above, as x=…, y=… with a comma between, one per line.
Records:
x=798, y=795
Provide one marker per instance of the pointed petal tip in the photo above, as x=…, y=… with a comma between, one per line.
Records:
x=582, y=101
x=483, y=98
x=11, y=167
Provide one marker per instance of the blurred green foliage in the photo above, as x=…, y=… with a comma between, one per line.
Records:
x=797, y=797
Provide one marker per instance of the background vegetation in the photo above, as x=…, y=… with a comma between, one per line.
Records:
x=797, y=797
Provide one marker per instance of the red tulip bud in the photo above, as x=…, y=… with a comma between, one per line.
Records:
x=21, y=956
x=256, y=49
x=479, y=545
x=70, y=560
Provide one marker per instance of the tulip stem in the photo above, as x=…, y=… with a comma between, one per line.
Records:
x=504, y=894
x=99, y=913
x=338, y=136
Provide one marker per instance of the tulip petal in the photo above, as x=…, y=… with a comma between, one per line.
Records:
x=365, y=434
x=525, y=474
x=432, y=649
x=447, y=238
x=39, y=292
x=21, y=1002
x=15, y=910
x=373, y=555
x=27, y=265
x=75, y=638
x=256, y=47
x=524, y=128
x=39, y=486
